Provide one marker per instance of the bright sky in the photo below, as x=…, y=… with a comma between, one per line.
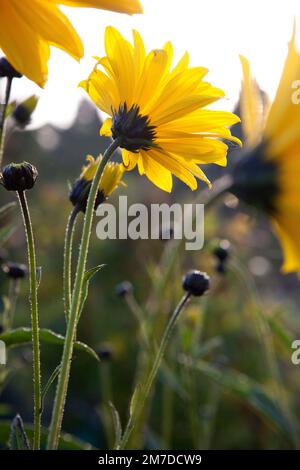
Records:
x=214, y=32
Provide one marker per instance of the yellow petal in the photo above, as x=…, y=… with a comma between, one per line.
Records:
x=283, y=111
x=157, y=173
x=291, y=248
x=130, y=159
x=121, y=6
x=120, y=55
x=51, y=24
x=23, y=47
x=106, y=128
x=251, y=106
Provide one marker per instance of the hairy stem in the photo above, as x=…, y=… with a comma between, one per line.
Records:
x=34, y=319
x=146, y=388
x=67, y=276
x=3, y=116
x=63, y=381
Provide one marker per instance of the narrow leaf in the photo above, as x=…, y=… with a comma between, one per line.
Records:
x=20, y=336
x=51, y=379
x=249, y=391
x=134, y=399
x=85, y=286
x=117, y=425
x=66, y=442
x=18, y=439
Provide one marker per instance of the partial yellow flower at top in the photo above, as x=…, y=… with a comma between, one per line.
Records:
x=111, y=179
x=268, y=177
x=29, y=27
x=157, y=111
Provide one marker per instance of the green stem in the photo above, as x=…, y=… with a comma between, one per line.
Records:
x=67, y=277
x=138, y=313
x=34, y=319
x=149, y=382
x=106, y=399
x=167, y=410
x=63, y=381
x=3, y=116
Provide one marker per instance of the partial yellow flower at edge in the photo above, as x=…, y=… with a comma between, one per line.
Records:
x=29, y=27
x=158, y=111
x=268, y=176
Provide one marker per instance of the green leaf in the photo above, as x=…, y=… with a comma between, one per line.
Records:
x=50, y=381
x=20, y=336
x=30, y=103
x=250, y=392
x=117, y=425
x=283, y=335
x=85, y=285
x=67, y=441
x=134, y=399
x=6, y=233
x=18, y=439
x=10, y=108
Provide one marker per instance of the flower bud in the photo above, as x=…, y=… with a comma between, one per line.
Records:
x=222, y=253
x=7, y=70
x=22, y=113
x=105, y=353
x=18, y=176
x=124, y=288
x=196, y=282
x=110, y=180
x=15, y=270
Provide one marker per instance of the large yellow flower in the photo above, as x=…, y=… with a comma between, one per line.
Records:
x=158, y=111
x=269, y=174
x=29, y=27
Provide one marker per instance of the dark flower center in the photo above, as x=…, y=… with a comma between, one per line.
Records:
x=133, y=128
x=255, y=180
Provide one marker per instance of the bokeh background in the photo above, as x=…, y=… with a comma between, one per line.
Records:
x=235, y=398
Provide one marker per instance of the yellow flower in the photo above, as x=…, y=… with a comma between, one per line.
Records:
x=268, y=176
x=29, y=27
x=111, y=179
x=158, y=111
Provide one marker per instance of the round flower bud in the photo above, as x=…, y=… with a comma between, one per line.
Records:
x=21, y=115
x=105, y=353
x=14, y=270
x=23, y=112
x=7, y=70
x=123, y=289
x=18, y=176
x=222, y=252
x=196, y=282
